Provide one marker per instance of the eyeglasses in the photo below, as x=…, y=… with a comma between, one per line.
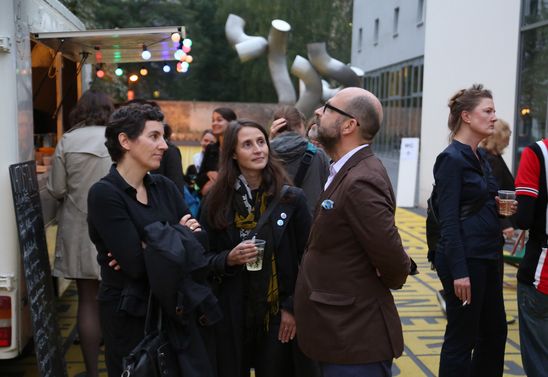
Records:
x=342, y=112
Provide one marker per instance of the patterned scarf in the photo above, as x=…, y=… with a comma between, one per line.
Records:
x=249, y=206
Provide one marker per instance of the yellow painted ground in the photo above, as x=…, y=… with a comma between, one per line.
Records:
x=422, y=319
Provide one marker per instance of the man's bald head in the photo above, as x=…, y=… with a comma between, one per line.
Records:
x=367, y=109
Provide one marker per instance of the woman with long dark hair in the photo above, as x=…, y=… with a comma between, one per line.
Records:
x=80, y=160
x=258, y=329
x=468, y=253
x=208, y=173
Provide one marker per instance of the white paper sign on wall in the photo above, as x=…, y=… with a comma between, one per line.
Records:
x=407, y=174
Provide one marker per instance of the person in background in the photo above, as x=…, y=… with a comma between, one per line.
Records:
x=307, y=165
x=207, y=138
x=207, y=175
x=80, y=160
x=468, y=255
x=532, y=196
x=193, y=169
x=258, y=329
x=345, y=312
x=312, y=132
x=495, y=144
x=171, y=165
x=120, y=206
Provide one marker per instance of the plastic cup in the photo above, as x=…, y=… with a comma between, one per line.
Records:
x=257, y=264
x=506, y=198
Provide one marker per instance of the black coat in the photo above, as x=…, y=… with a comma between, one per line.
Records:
x=176, y=270
x=287, y=229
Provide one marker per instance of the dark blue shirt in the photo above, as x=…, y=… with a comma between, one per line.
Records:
x=462, y=178
x=116, y=221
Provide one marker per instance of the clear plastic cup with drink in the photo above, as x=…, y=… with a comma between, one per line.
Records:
x=257, y=264
x=506, y=199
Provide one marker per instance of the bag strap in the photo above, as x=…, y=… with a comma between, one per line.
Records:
x=268, y=211
x=305, y=164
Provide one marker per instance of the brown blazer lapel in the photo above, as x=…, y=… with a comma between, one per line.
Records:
x=357, y=157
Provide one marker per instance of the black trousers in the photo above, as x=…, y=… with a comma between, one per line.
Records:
x=272, y=358
x=121, y=333
x=475, y=336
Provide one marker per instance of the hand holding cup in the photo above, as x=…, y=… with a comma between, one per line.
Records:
x=507, y=203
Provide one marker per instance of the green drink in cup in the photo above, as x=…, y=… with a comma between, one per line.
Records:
x=257, y=264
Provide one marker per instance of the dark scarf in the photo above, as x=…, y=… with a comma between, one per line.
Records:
x=261, y=288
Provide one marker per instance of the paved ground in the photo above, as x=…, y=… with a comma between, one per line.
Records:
x=423, y=321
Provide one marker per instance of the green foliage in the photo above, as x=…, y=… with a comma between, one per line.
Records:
x=216, y=73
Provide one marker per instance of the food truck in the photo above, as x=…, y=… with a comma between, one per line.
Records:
x=46, y=61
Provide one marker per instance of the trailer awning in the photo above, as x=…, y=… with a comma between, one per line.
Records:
x=115, y=45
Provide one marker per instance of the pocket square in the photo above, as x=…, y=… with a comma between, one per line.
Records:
x=328, y=204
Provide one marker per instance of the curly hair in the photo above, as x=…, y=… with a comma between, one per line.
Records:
x=130, y=120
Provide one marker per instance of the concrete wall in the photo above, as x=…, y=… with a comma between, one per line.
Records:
x=391, y=48
x=466, y=42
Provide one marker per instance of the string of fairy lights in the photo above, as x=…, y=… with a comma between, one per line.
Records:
x=181, y=55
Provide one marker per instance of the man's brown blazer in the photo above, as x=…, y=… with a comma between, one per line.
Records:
x=344, y=309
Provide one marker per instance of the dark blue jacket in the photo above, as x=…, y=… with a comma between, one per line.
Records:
x=461, y=178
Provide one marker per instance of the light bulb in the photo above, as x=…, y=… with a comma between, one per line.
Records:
x=175, y=37
x=166, y=68
x=187, y=42
x=143, y=71
x=119, y=71
x=145, y=54
x=133, y=77
x=186, y=49
x=189, y=59
x=179, y=55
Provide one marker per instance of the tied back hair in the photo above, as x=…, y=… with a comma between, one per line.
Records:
x=464, y=100
x=220, y=198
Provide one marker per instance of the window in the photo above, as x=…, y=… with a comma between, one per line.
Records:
x=396, y=21
x=376, y=32
x=360, y=39
x=420, y=13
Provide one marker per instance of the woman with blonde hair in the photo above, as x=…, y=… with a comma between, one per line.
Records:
x=495, y=144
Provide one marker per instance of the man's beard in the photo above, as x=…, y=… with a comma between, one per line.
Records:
x=329, y=141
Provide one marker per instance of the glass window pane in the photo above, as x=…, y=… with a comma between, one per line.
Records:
x=534, y=11
x=533, y=94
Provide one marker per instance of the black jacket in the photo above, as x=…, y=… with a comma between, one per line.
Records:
x=463, y=179
x=287, y=229
x=177, y=270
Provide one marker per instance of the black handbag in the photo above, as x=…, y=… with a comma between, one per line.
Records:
x=153, y=356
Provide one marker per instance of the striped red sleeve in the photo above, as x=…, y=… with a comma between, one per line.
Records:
x=527, y=179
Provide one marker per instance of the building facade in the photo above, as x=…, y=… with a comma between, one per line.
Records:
x=388, y=44
x=449, y=45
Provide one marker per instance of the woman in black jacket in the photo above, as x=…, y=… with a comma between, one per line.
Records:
x=258, y=329
x=468, y=253
x=120, y=206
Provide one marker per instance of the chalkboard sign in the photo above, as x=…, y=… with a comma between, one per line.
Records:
x=32, y=242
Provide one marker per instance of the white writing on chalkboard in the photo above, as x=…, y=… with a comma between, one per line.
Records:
x=32, y=240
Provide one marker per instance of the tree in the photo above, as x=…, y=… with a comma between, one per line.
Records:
x=216, y=73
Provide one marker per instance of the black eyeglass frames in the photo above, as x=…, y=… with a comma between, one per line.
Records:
x=342, y=112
